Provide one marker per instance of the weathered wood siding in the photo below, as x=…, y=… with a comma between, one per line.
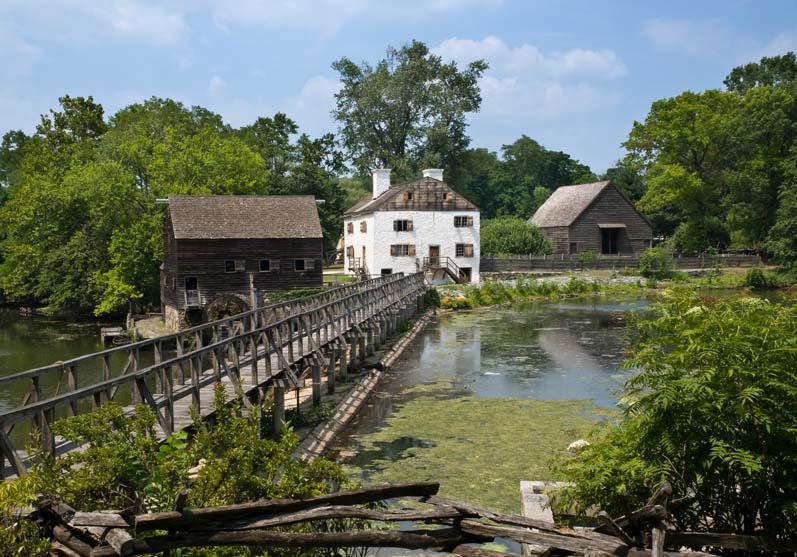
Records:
x=168, y=275
x=559, y=237
x=204, y=259
x=610, y=207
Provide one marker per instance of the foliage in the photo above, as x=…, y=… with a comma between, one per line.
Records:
x=588, y=256
x=758, y=278
x=716, y=162
x=407, y=111
x=124, y=466
x=493, y=293
x=782, y=240
x=656, y=263
x=712, y=409
x=513, y=236
x=81, y=230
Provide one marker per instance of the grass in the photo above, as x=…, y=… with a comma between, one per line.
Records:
x=477, y=448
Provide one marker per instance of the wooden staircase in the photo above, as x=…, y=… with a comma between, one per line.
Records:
x=357, y=266
x=445, y=265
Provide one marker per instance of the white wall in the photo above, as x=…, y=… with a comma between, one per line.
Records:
x=359, y=239
x=429, y=228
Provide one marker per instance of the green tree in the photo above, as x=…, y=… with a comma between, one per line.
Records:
x=407, y=111
x=512, y=236
x=782, y=240
x=713, y=410
x=769, y=72
x=527, y=165
x=628, y=177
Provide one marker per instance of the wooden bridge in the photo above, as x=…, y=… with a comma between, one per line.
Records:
x=256, y=355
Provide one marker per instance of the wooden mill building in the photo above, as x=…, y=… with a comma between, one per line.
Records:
x=218, y=250
x=596, y=217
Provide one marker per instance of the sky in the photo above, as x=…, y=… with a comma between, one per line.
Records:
x=574, y=75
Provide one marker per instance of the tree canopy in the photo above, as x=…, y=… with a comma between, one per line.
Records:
x=82, y=231
x=407, y=111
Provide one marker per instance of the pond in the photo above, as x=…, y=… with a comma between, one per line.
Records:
x=484, y=399
x=30, y=342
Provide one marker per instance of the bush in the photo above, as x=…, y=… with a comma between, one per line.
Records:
x=656, y=263
x=700, y=235
x=757, y=278
x=124, y=466
x=713, y=410
x=513, y=236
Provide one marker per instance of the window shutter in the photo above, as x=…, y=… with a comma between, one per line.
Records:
x=411, y=249
x=409, y=225
x=395, y=225
x=275, y=265
x=393, y=250
x=309, y=264
x=470, y=221
x=468, y=250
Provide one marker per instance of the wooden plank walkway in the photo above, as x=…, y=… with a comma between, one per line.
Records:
x=256, y=356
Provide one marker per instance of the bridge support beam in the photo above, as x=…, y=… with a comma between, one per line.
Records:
x=279, y=410
x=331, y=371
x=316, y=374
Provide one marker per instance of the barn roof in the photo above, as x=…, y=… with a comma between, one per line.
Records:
x=566, y=203
x=211, y=217
x=426, y=185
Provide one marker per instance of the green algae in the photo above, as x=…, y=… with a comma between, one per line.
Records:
x=479, y=449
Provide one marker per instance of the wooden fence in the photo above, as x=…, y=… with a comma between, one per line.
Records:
x=271, y=347
x=565, y=262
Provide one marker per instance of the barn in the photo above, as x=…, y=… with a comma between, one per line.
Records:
x=218, y=250
x=596, y=217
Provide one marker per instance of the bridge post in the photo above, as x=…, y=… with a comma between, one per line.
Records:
x=369, y=332
x=332, y=357
x=316, y=373
x=279, y=410
x=344, y=365
x=352, y=352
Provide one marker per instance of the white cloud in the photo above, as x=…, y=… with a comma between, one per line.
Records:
x=528, y=58
x=216, y=86
x=130, y=21
x=329, y=16
x=692, y=37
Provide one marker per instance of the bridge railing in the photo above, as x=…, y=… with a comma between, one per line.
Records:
x=291, y=332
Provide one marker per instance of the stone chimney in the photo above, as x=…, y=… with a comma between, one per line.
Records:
x=381, y=178
x=436, y=173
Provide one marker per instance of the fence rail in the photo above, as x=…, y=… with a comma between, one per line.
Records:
x=576, y=262
x=288, y=340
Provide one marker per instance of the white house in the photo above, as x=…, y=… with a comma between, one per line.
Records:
x=420, y=225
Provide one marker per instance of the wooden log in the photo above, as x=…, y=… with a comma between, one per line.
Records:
x=646, y=514
x=515, y=520
x=432, y=539
x=614, y=528
x=730, y=541
x=657, y=541
x=57, y=548
x=326, y=513
x=105, y=519
x=559, y=541
x=67, y=537
x=470, y=551
x=175, y=520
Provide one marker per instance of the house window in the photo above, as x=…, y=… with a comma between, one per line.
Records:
x=350, y=252
x=463, y=221
x=350, y=228
x=265, y=265
x=444, y=195
x=303, y=264
x=387, y=271
x=363, y=226
x=464, y=250
x=402, y=250
x=408, y=196
x=190, y=283
x=402, y=225
x=573, y=247
x=229, y=266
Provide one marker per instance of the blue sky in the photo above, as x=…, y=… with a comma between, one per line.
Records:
x=573, y=75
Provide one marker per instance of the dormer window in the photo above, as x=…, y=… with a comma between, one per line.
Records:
x=408, y=196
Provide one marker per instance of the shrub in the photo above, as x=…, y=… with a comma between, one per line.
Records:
x=757, y=278
x=699, y=235
x=713, y=410
x=513, y=236
x=656, y=263
x=588, y=256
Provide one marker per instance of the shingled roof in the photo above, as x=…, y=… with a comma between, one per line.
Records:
x=566, y=203
x=211, y=217
x=390, y=199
